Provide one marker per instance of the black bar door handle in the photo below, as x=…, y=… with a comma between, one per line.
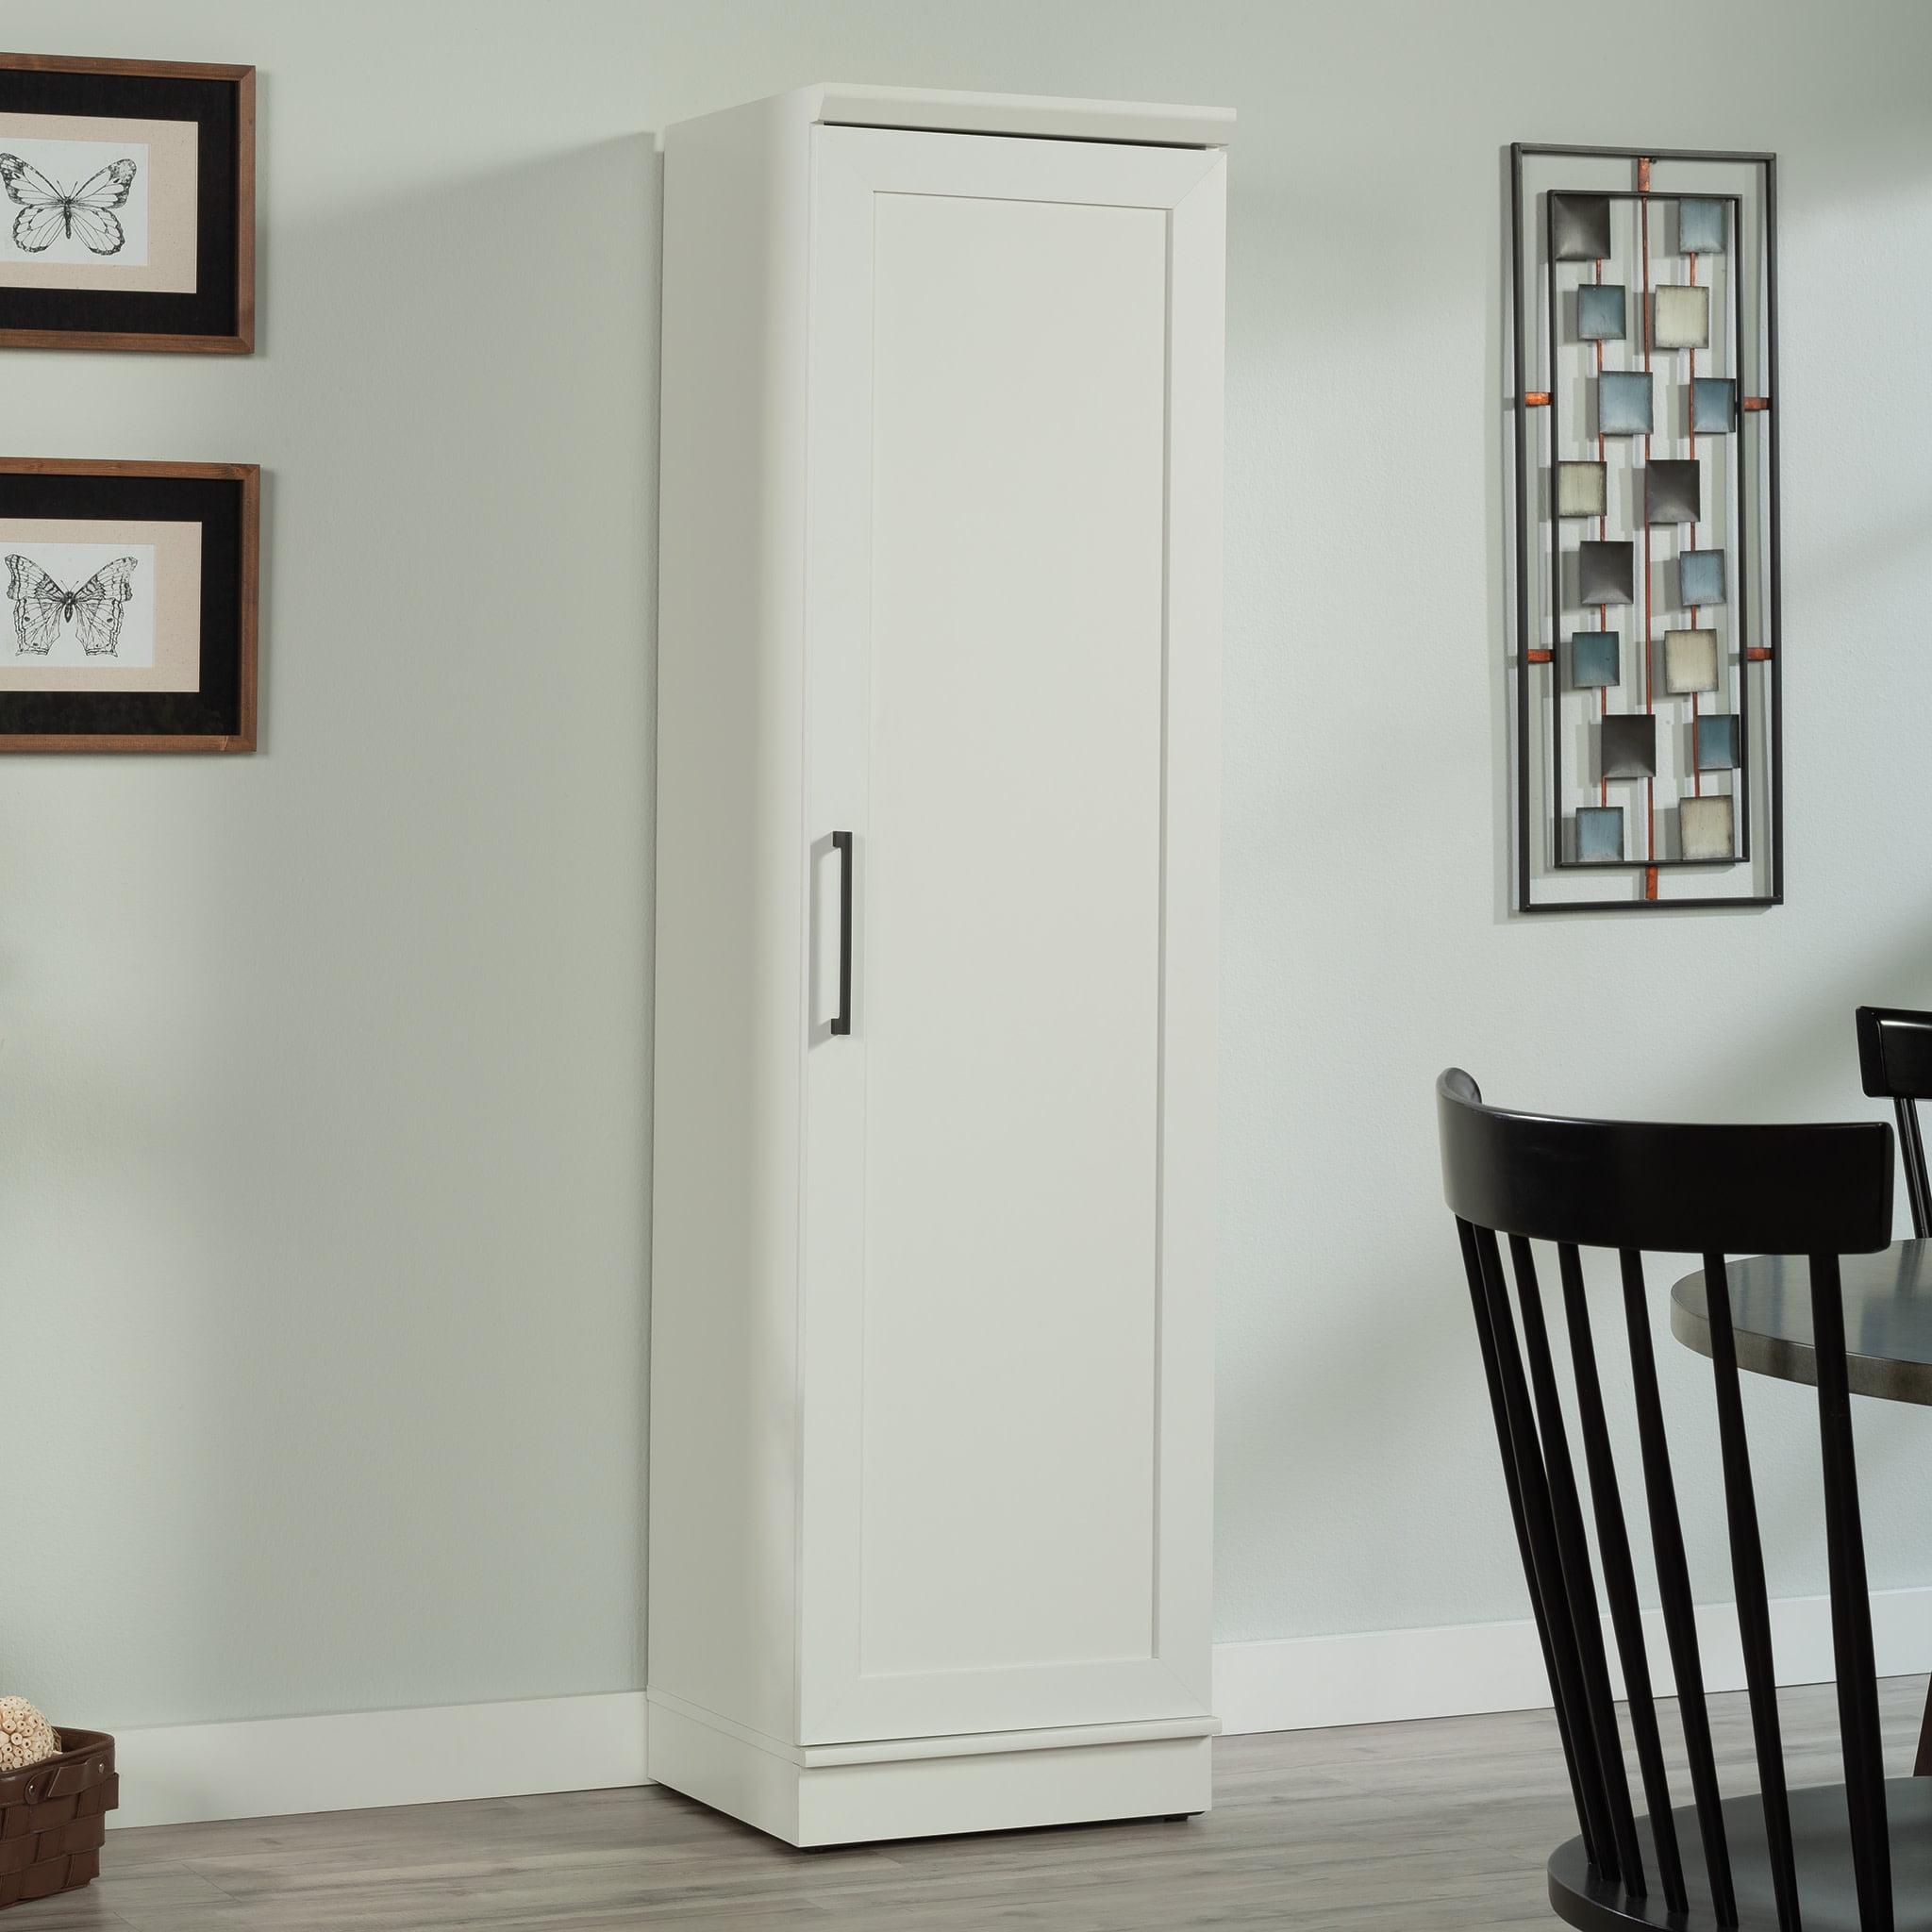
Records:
x=841, y=1020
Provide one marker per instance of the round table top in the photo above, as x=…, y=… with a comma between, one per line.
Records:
x=1887, y=1300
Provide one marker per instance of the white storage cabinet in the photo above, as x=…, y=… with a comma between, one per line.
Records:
x=931, y=1402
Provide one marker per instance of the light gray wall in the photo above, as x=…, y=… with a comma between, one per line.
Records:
x=323, y=1151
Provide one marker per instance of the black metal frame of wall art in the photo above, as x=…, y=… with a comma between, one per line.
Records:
x=1747, y=646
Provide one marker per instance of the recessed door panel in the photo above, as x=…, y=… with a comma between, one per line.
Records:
x=988, y=645
x=1012, y=933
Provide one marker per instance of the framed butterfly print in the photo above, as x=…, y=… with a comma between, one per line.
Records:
x=127, y=205
x=129, y=594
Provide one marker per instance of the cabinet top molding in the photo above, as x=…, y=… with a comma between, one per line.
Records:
x=940, y=110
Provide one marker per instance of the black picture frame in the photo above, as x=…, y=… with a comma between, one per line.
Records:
x=220, y=714
x=217, y=316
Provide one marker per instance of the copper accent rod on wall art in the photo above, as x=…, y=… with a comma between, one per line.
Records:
x=1603, y=531
x=1696, y=764
x=1649, y=633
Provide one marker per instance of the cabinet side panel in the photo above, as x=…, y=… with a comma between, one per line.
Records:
x=729, y=919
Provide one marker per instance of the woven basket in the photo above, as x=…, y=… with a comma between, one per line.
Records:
x=53, y=1818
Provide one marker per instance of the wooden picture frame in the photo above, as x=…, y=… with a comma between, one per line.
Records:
x=190, y=534
x=194, y=292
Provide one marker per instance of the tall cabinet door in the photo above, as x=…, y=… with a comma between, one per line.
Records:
x=1013, y=636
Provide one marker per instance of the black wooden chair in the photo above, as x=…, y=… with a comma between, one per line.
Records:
x=1896, y=1059
x=1825, y=1859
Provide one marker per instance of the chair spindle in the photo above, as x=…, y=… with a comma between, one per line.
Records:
x=1579, y=1585
x=1513, y=1485
x=1851, y=1606
x=1754, y=1607
x=1547, y=1562
x=1620, y=1577
x=1673, y=1591
x=1906, y=1110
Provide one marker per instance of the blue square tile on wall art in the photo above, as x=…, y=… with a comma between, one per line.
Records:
x=1623, y=403
x=1717, y=742
x=1700, y=226
x=1599, y=833
x=1713, y=406
x=1594, y=657
x=1600, y=312
x=1700, y=578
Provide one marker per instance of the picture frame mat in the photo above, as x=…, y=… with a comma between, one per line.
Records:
x=173, y=216
x=176, y=548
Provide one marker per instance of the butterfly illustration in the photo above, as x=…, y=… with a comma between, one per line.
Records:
x=47, y=209
x=40, y=606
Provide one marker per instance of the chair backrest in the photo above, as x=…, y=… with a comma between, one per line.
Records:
x=1819, y=1191
x=1895, y=1060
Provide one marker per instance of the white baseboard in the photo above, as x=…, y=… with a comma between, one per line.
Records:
x=1382, y=1676
x=180, y=1774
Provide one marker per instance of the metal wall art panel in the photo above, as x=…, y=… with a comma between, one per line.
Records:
x=1645, y=663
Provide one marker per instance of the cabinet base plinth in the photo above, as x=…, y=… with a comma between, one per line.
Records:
x=1065, y=1781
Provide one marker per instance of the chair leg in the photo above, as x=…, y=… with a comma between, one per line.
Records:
x=1922, y=1765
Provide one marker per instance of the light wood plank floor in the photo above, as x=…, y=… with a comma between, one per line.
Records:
x=1386, y=1828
